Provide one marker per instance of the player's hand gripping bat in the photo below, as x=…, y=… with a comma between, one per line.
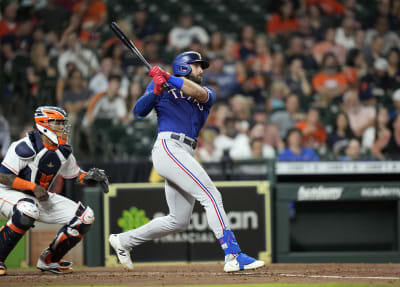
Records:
x=121, y=35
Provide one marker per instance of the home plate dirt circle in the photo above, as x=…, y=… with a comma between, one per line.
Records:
x=210, y=273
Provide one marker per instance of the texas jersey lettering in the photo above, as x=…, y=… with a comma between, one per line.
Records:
x=179, y=95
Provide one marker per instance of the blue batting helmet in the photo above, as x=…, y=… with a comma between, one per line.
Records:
x=181, y=64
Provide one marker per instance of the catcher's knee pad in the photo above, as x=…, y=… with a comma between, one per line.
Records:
x=25, y=212
x=71, y=233
x=83, y=219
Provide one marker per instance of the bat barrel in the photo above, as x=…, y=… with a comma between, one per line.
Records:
x=124, y=39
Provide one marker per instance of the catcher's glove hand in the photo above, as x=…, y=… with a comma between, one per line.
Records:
x=94, y=176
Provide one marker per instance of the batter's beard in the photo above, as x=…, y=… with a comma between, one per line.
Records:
x=197, y=79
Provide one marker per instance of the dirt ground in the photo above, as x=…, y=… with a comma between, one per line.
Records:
x=196, y=274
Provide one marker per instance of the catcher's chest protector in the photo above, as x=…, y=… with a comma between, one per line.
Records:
x=43, y=164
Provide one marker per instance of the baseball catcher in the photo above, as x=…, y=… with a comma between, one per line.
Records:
x=27, y=173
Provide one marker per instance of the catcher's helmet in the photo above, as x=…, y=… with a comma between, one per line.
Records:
x=52, y=122
x=181, y=64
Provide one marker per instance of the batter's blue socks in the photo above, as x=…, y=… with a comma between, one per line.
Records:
x=229, y=244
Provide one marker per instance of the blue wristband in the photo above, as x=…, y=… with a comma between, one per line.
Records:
x=176, y=82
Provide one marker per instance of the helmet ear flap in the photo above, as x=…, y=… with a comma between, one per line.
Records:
x=185, y=69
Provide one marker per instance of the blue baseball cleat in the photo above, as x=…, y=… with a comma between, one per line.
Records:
x=242, y=262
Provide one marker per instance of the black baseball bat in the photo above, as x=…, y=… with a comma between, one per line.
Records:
x=121, y=35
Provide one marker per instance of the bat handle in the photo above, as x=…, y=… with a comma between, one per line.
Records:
x=166, y=87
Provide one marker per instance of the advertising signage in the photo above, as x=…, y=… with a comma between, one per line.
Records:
x=247, y=203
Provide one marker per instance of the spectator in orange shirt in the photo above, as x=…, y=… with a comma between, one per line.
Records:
x=8, y=23
x=284, y=21
x=314, y=135
x=330, y=82
x=93, y=15
x=329, y=7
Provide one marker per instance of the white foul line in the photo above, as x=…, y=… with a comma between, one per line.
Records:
x=338, y=277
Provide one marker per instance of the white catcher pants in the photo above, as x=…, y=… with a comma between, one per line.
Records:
x=56, y=210
x=185, y=182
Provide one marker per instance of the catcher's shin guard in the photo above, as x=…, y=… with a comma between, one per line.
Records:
x=25, y=212
x=71, y=233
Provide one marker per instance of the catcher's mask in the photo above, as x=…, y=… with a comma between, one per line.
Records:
x=181, y=64
x=52, y=122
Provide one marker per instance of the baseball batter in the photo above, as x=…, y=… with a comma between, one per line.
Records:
x=181, y=113
x=26, y=174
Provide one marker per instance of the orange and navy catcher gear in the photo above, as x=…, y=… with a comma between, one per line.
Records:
x=70, y=234
x=181, y=64
x=52, y=122
x=30, y=160
x=25, y=213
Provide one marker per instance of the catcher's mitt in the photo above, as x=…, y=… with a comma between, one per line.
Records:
x=94, y=176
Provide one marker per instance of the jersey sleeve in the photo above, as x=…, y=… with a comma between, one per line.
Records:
x=12, y=161
x=145, y=103
x=211, y=97
x=70, y=168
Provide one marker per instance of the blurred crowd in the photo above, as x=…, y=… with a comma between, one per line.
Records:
x=321, y=81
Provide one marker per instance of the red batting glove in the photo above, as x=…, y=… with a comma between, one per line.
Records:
x=157, y=90
x=165, y=74
x=154, y=71
x=159, y=80
x=158, y=71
